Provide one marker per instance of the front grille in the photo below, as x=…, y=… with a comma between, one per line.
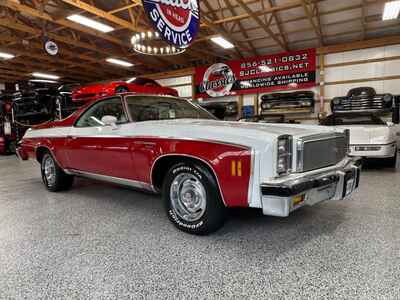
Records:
x=323, y=152
x=362, y=103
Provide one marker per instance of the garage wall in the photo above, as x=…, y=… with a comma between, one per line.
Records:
x=375, y=67
x=182, y=84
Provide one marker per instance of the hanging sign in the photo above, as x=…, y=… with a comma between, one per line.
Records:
x=177, y=21
x=283, y=71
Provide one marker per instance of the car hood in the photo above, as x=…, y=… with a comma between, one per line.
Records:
x=369, y=134
x=242, y=133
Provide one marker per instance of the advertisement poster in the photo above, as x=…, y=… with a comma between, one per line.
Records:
x=260, y=74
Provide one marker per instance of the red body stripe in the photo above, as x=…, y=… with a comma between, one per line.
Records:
x=133, y=158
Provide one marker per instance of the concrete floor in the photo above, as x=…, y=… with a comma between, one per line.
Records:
x=99, y=241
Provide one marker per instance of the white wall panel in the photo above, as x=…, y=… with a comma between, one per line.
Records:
x=392, y=51
x=175, y=81
x=334, y=74
x=392, y=68
x=392, y=86
x=184, y=91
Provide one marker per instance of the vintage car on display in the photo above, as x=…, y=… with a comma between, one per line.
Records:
x=200, y=165
x=221, y=109
x=370, y=136
x=7, y=136
x=64, y=106
x=362, y=99
x=288, y=101
x=137, y=85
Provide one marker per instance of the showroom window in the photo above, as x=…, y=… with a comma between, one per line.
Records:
x=110, y=107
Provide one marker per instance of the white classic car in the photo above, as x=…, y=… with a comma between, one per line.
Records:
x=370, y=136
x=200, y=165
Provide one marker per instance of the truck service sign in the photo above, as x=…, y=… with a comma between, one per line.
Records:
x=177, y=21
x=283, y=71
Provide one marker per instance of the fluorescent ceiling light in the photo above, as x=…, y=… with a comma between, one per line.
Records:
x=90, y=23
x=220, y=41
x=46, y=76
x=43, y=80
x=391, y=11
x=6, y=55
x=119, y=62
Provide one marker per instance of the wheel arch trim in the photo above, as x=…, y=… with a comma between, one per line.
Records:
x=191, y=157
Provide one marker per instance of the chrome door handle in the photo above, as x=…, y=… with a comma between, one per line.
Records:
x=72, y=137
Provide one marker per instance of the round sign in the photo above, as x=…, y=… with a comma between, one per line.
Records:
x=177, y=21
x=218, y=80
x=51, y=48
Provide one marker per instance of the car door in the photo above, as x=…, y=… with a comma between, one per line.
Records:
x=94, y=147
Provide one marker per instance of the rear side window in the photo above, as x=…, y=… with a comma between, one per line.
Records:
x=110, y=107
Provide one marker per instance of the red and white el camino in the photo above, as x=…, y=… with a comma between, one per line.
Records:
x=200, y=165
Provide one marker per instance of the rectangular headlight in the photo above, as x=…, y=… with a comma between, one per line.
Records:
x=285, y=153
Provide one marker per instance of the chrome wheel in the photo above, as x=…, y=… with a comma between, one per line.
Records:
x=49, y=169
x=188, y=197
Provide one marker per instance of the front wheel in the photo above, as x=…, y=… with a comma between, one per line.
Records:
x=192, y=199
x=54, y=178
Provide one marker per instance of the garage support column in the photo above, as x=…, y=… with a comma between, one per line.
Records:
x=322, y=83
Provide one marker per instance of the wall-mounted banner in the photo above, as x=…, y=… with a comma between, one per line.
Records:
x=283, y=71
x=177, y=21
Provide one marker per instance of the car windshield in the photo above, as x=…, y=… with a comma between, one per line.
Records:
x=151, y=108
x=353, y=120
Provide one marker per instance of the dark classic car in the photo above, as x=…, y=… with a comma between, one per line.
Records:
x=221, y=109
x=296, y=101
x=362, y=99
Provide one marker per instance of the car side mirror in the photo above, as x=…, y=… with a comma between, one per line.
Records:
x=109, y=121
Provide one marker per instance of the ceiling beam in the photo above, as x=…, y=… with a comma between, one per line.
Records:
x=105, y=15
x=310, y=16
x=242, y=29
x=261, y=24
x=278, y=23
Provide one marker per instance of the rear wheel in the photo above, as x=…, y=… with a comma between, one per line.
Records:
x=54, y=178
x=192, y=199
x=121, y=89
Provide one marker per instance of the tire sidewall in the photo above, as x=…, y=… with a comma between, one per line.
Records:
x=213, y=203
x=46, y=183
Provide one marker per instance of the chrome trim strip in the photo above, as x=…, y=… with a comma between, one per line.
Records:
x=251, y=179
x=373, y=145
x=116, y=180
x=146, y=137
x=191, y=156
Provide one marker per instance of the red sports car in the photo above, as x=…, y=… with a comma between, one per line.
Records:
x=138, y=85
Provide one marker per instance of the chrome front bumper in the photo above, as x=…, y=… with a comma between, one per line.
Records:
x=279, y=199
